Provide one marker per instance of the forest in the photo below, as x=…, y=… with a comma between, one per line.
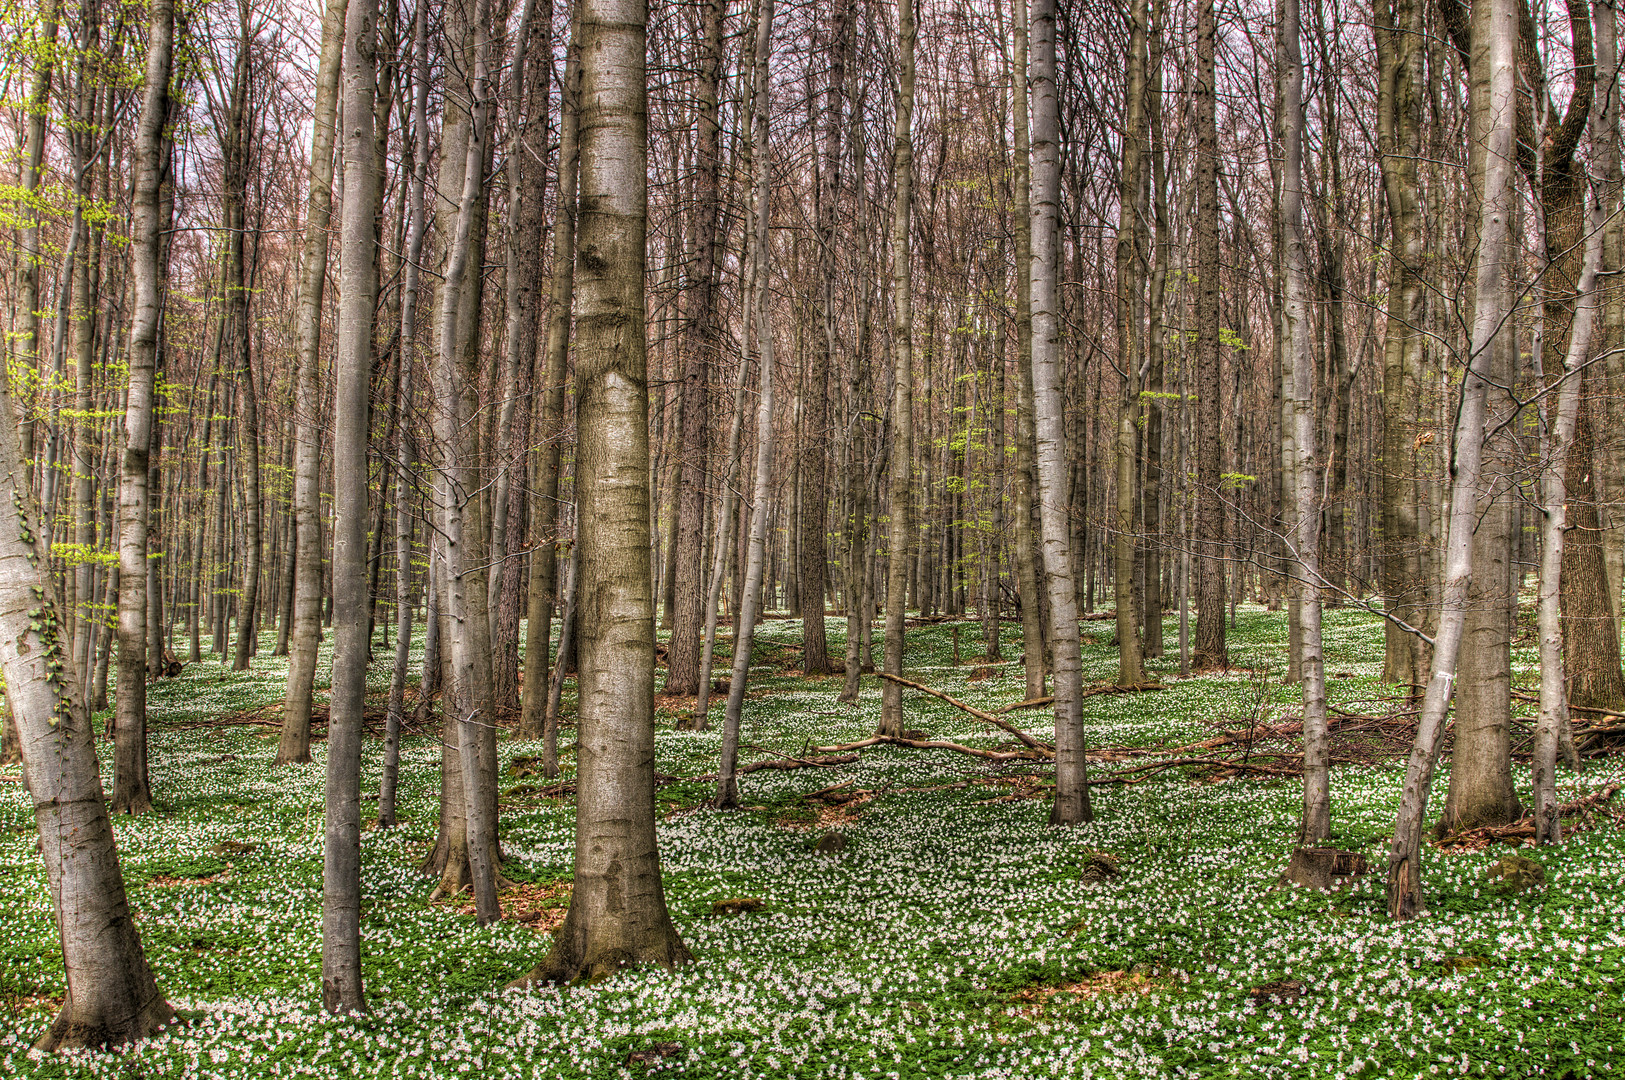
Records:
x=855, y=539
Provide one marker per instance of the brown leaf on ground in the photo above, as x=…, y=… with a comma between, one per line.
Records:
x=1032, y=1001
x=540, y=907
x=164, y=881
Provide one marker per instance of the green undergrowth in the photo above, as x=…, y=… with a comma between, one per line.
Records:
x=955, y=935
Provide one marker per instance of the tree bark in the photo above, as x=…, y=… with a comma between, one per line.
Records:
x=617, y=916
x=1071, y=806
x=294, y=744
x=1210, y=650
x=701, y=342
x=132, y=793
x=341, y=858
x=112, y=998
x=1493, y=122
x=901, y=464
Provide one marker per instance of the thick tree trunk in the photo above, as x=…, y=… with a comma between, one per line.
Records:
x=112, y=999
x=617, y=915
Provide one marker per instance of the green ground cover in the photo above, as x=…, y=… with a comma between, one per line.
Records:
x=956, y=935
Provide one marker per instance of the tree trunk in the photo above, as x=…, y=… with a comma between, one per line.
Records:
x=1026, y=553
x=294, y=744
x=1071, y=805
x=131, y=791
x=550, y=426
x=1130, y=265
x=1210, y=651
x=750, y=600
x=1493, y=121
x=112, y=999
x=341, y=860
x=901, y=494
x=617, y=915
x=701, y=341
x=1299, y=368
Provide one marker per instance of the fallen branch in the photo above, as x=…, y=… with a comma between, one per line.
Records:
x=1094, y=691
x=1121, y=777
x=1039, y=753
x=985, y=717
x=1524, y=827
x=786, y=762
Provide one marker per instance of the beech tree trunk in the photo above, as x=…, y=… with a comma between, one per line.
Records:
x=341, y=858
x=112, y=998
x=617, y=916
x=1210, y=651
x=761, y=509
x=131, y=791
x=294, y=745
x=901, y=458
x=1071, y=805
x=1493, y=122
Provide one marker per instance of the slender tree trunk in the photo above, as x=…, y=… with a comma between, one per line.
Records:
x=1071, y=805
x=341, y=861
x=1021, y=509
x=294, y=745
x=1398, y=35
x=701, y=340
x=750, y=599
x=131, y=791
x=901, y=495
x=1210, y=625
x=550, y=426
x=26, y=312
x=1299, y=368
x=1493, y=121
x=617, y=915
x=1130, y=283
x=1557, y=435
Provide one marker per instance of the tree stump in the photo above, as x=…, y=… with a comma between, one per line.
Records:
x=1324, y=868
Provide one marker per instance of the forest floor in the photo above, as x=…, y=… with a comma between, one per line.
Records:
x=955, y=935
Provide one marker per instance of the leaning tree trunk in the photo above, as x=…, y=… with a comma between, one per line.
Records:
x=131, y=792
x=1556, y=439
x=617, y=915
x=750, y=597
x=901, y=464
x=1493, y=121
x=1071, y=771
x=341, y=860
x=112, y=998
x=294, y=745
